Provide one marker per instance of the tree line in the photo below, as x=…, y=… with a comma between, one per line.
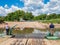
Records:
x=17, y=15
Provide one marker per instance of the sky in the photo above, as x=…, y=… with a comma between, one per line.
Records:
x=35, y=6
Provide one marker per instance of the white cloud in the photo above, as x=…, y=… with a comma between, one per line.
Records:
x=4, y=11
x=34, y=6
x=6, y=6
x=53, y=6
x=38, y=7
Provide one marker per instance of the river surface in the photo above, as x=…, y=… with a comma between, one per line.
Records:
x=37, y=33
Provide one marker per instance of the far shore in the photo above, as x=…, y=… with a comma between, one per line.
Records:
x=36, y=24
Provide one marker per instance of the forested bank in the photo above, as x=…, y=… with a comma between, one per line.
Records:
x=28, y=16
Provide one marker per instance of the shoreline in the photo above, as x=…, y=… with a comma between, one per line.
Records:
x=38, y=25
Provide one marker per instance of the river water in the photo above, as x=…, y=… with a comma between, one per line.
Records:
x=31, y=33
x=36, y=34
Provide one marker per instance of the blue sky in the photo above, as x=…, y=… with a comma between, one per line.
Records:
x=15, y=2
x=11, y=2
x=45, y=1
x=35, y=6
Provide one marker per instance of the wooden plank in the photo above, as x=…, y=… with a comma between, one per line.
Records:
x=7, y=42
x=30, y=41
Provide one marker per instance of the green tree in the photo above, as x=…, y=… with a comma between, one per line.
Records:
x=1, y=19
x=51, y=16
x=28, y=16
x=40, y=17
x=14, y=15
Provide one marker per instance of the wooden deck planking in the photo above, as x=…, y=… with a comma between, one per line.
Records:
x=30, y=41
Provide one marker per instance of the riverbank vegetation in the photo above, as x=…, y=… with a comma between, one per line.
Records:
x=28, y=16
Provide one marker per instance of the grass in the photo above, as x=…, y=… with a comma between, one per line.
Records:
x=24, y=31
x=44, y=30
x=1, y=30
x=30, y=30
x=57, y=29
x=51, y=21
x=27, y=30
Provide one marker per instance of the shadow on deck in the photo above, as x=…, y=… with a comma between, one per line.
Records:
x=38, y=36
